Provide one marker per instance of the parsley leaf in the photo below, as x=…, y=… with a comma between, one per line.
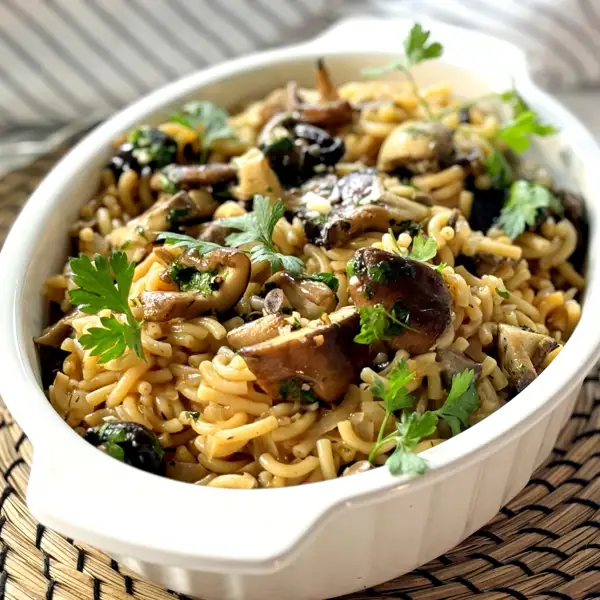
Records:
x=258, y=226
x=377, y=323
x=179, y=240
x=462, y=399
x=206, y=117
x=104, y=284
x=329, y=279
x=423, y=248
x=499, y=169
x=516, y=134
x=521, y=209
x=503, y=293
x=515, y=101
x=441, y=267
x=416, y=50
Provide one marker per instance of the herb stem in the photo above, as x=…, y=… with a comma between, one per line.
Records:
x=418, y=94
x=379, y=442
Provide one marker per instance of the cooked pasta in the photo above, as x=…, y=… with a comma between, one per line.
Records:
x=250, y=371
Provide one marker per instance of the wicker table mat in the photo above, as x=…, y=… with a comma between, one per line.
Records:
x=545, y=544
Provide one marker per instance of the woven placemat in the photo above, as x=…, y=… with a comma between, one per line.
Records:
x=545, y=544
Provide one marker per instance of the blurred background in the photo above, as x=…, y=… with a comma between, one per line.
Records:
x=67, y=64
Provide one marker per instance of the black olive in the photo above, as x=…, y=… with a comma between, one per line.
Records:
x=296, y=157
x=51, y=362
x=130, y=443
x=145, y=148
x=486, y=208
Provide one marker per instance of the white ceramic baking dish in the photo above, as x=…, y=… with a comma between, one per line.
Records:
x=314, y=541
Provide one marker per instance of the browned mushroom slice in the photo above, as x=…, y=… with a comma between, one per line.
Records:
x=310, y=298
x=324, y=358
x=213, y=283
x=195, y=176
x=405, y=285
x=521, y=354
x=54, y=335
x=347, y=221
x=256, y=332
x=420, y=146
x=452, y=363
x=180, y=207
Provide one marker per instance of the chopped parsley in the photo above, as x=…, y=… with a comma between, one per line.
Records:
x=377, y=323
x=190, y=279
x=180, y=240
x=152, y=147
x=175, y=216
x=294, y=389
x=503, y=293
x=423, y=248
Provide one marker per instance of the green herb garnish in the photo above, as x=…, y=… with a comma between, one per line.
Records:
x=175, y=216
x=377, y=323
x=152, y=147
x=499, y=169
x=416, y=50
x=294, y=389
x=206, y=117
x=257, y=227
x=166, y=185
x=179, y=240
x=525, y=199
x=190, y=279
x=503, y=293
x=462, y=399
x=104, y=284
x=329, y=279
x=423, y=248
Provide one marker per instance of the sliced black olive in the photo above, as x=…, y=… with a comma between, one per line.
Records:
x=145, y=148
x=486, y=208
x=130, y=443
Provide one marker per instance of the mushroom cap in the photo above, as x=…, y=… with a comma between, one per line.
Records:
x=521, y=354
x=416, y=145
x=256, y=332
x=325, y=357
x=419, y=288
x=233, y=269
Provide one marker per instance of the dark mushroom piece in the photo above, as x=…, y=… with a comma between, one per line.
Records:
x=276, y=302
x=452, y=363
x=330, y=111
x=182, y=207
x=189, y=177
x=575, y=211
x=419, y=146
x=54, y=335
x=213, y=232
x=130, y=443
x=360, y=204
x=404, y=286
x=296, y=151
x=256, y=332
x=521, y=354
x=208, y=284
x=323, y=358
x=310, y=298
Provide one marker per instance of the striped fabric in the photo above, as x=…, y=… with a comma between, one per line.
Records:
x=69, y=63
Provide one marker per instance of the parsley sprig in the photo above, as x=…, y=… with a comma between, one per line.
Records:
x=417, y=49
x=521, y=209
x=423, y=248
x=257, y=227
x=105, y=284
x=412, y=427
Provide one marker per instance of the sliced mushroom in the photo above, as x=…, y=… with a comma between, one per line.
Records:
x=452, y=363
x=407, y=285
x=310, y=298
x=256, y=332
x=521, y=354
x=229, y=274
x=361, y=466
x=54, y=335
x=420, y=146
x=575, y=211
x=142, y=230
x=359, y=203
x=276, y=302
x=324, y=357
x=194, y=176
x=213, y=232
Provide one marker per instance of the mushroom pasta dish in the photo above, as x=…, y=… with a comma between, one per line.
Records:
x=322, y=282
